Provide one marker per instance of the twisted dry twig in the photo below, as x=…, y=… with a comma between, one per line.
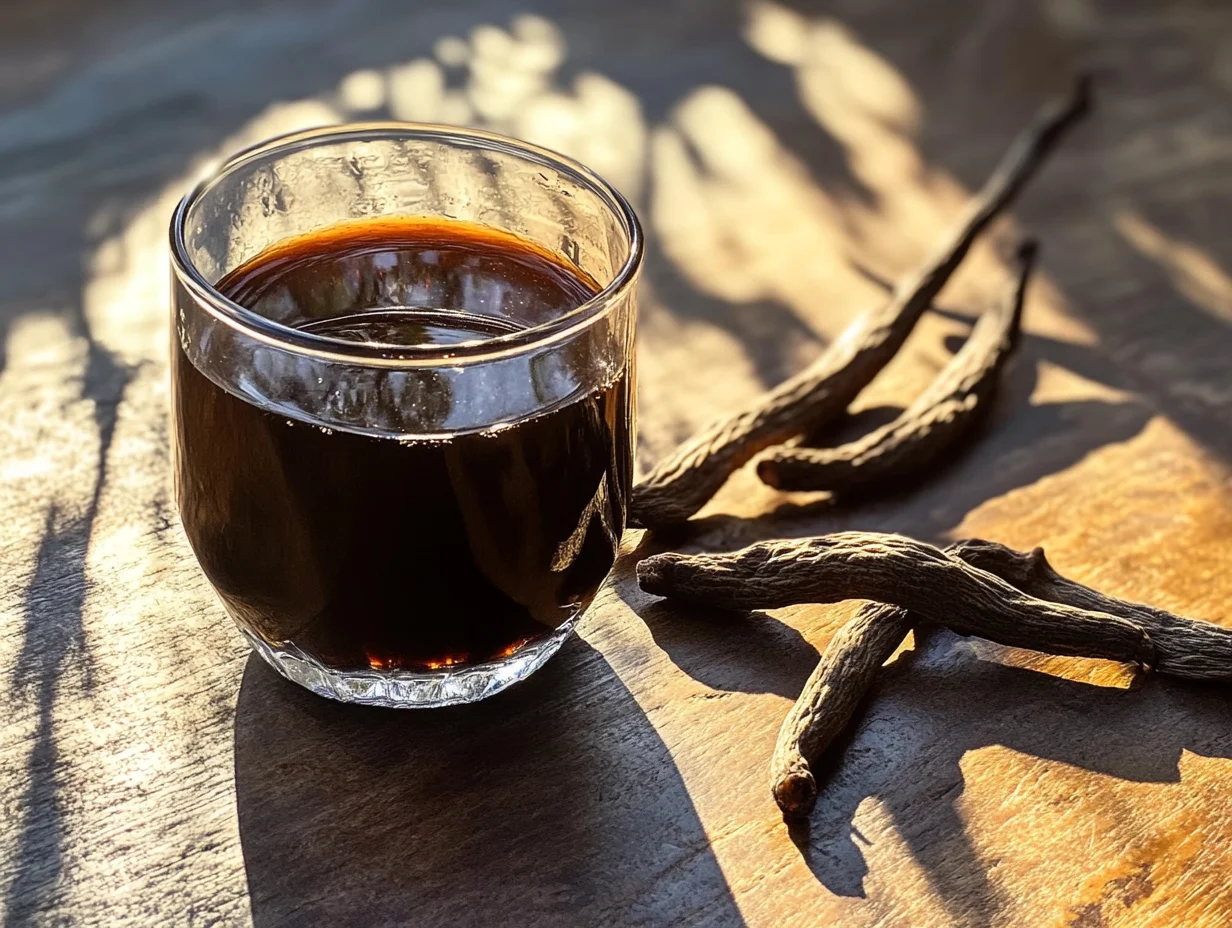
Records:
x=899, y=571
x=1186, y=648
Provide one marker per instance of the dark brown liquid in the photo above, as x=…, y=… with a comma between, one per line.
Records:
x=376, y=551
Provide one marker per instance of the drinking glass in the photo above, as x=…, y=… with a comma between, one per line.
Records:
x=403, y=522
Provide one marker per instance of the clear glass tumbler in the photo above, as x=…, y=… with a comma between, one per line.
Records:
x=410, y=514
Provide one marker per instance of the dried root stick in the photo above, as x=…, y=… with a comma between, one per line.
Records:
x=1185, y=648
x=843, y=675
x=892, y=569
x=938, y=420
x=681, y=484
x=1030, y=603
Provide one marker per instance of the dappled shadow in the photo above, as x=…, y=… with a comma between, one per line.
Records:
x=1142, y=259
x=1171, y=331
x=717, y=56
x=770, y=334
x=543, y=806
x=80, y=162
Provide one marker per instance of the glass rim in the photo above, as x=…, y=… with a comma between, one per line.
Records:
x=381, y=354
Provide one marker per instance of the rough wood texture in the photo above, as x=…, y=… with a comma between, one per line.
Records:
x=930, y=427
x=829, y=699
x=820, y=393
x=150, y=773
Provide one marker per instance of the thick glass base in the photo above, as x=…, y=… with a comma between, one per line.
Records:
x=400, y=689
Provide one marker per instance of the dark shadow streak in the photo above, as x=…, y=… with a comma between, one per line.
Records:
x=1169, y=349
x=1153, y=339
x=773, y=336
x=776, y=339
x=746, y=653
x=719, y=57
x=555, y=803
x=1021, y=444
x=53, y=642
x=1086, y=361
x=47, y=646
x=958, y=703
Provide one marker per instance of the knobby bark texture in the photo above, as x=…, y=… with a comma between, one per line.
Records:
x=835, y=689
x=1186, y=648
x=899, y=571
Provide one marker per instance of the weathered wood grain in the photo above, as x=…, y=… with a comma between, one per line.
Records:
x=152, y=773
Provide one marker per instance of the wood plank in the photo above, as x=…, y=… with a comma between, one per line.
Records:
x=152, y=771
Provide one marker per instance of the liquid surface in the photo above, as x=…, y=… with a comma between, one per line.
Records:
x=448, y=267
x=406, y=325
x=372, y=552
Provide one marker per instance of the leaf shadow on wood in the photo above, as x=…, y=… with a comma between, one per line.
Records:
x=1158, y=302
x=957, y=703
x=1171, y=332
x=776, y=339
x=555, y=803
x=772, y=335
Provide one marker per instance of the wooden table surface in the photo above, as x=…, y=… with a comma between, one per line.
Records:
x=783, y=157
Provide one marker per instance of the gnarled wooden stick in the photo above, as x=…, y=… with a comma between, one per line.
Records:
x=900, y=571
x=682, y=483
x=844, y=674
x=941, y=417
x=1184, y=647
